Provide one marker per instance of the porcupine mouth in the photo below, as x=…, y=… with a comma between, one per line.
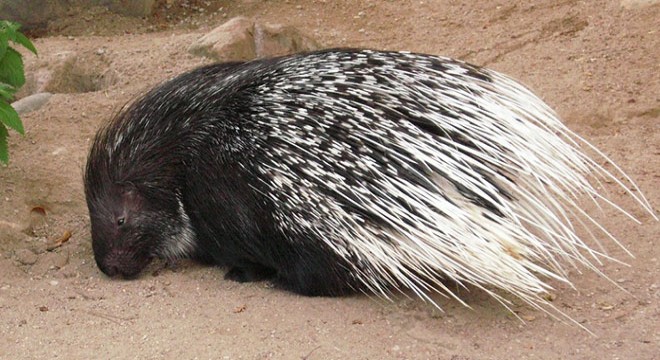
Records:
x=123, y=264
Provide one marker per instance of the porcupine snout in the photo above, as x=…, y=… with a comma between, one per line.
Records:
x=120, y=261
x=120, y=249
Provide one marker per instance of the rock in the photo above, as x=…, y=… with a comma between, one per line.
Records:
x=39, y=73
x=231, y=41
x=73, y=72
x=241, y=39
x=637, y=4
x=276, y=39
x=26, y=256
x=31, y=103
x=36, y=80
x=40, y=246
x=50, y=260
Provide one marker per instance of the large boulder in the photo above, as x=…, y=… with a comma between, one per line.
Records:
x=233, y=40
x=241, y=39
x=277, y=39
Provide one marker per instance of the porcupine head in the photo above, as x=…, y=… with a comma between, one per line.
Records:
x=137, y=170
x=131, y=218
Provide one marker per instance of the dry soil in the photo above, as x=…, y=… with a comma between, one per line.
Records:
x=596, y=62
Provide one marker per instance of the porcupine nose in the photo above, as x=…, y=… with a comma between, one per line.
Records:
x=106, y=266
x=109, y=270
x=120, y=263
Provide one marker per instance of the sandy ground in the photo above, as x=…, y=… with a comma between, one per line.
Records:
x=596, y=62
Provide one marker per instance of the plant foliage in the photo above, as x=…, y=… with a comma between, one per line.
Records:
x=12, y=78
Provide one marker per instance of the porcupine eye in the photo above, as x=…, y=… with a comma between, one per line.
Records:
x=120, y=222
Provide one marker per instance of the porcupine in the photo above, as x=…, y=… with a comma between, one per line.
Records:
x=342, y=170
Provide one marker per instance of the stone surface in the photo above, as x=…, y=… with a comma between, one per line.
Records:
x=632, y=4
x=231, y=41
x=276, y=39
x=26, y=256
x=31, y=103
x=50, y=261
x=241, y=39
x=81, y=73
x=68, y=72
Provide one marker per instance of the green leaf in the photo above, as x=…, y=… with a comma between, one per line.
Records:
x=4, y=43
x=4, y=149
x=9, y=28
x=7, y=91
x=9, y=117
x=23, y=40
x=8, y=31
x=10, y=25
x=11, y=68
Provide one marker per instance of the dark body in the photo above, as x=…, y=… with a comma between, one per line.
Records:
x=343, y=170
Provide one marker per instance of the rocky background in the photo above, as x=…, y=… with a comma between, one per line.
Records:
x=595, y=62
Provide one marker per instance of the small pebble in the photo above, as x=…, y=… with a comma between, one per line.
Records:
x=26, y=257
